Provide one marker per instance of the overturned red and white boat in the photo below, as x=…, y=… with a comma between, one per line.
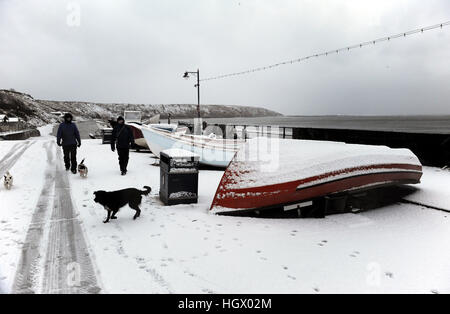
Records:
x=292, y=174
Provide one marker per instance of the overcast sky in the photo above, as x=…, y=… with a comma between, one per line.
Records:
x=136, y=51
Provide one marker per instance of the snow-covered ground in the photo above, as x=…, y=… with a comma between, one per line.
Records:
x=185, y=249
x=434, y=190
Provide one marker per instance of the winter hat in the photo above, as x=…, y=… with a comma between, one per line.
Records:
x=68, y=115
x=120, y=119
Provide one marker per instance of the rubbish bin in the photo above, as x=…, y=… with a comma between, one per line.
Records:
x=178, y=177
x=106, y=136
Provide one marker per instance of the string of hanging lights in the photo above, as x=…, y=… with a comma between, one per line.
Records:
x=330, y=52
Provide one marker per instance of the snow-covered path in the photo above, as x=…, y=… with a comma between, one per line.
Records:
x=185, y=249
x=54, y=257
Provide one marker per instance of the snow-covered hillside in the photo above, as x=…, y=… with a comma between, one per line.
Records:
x=39, y=112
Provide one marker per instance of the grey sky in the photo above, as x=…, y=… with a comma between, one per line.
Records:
x=136, y=51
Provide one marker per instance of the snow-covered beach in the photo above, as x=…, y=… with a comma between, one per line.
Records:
x=400, y=248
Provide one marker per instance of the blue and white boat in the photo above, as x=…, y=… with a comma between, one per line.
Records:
x=212, y=151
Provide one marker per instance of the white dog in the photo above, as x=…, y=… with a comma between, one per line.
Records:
x=8, y=180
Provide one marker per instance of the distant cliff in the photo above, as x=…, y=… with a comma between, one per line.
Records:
x=39, y=112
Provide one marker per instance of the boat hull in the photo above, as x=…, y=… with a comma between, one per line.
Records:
x=234, y=195
x=288, y=193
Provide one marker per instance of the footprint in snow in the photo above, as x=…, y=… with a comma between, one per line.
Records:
x=435, y=292
x=389, y=274
x=354, y=254
x=316, y=289
x=140, y=260
x=291, y=277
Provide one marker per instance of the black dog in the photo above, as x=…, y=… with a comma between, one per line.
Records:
x=113, y=201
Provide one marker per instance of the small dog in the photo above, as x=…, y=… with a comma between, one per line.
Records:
x=82, y=169
x=8, y=180
x=113, y=201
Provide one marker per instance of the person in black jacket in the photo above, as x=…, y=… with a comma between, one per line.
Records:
x=122, y=138
x=69, y=138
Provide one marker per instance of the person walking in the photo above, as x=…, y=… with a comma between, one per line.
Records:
x=68, y=137
x=122, y=138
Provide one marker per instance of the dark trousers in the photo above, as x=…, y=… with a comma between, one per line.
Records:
x=70, y=156
x=124, y=155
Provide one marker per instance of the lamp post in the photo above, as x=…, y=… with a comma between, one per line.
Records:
x=196, y=73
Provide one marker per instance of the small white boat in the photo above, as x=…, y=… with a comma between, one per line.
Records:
x=213, y=152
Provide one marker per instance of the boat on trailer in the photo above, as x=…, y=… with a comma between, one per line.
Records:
x=307, y=176
x=212, y=151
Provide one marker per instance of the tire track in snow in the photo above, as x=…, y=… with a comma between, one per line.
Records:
x=10, y=159
x=11, y=151
x=25, y=279
x=67, y=264
x=68, y=267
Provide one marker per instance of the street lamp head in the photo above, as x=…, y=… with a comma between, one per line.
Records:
x=186, y=75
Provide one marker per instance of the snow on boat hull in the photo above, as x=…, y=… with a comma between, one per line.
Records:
x=212, y=152
x=309, y=170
